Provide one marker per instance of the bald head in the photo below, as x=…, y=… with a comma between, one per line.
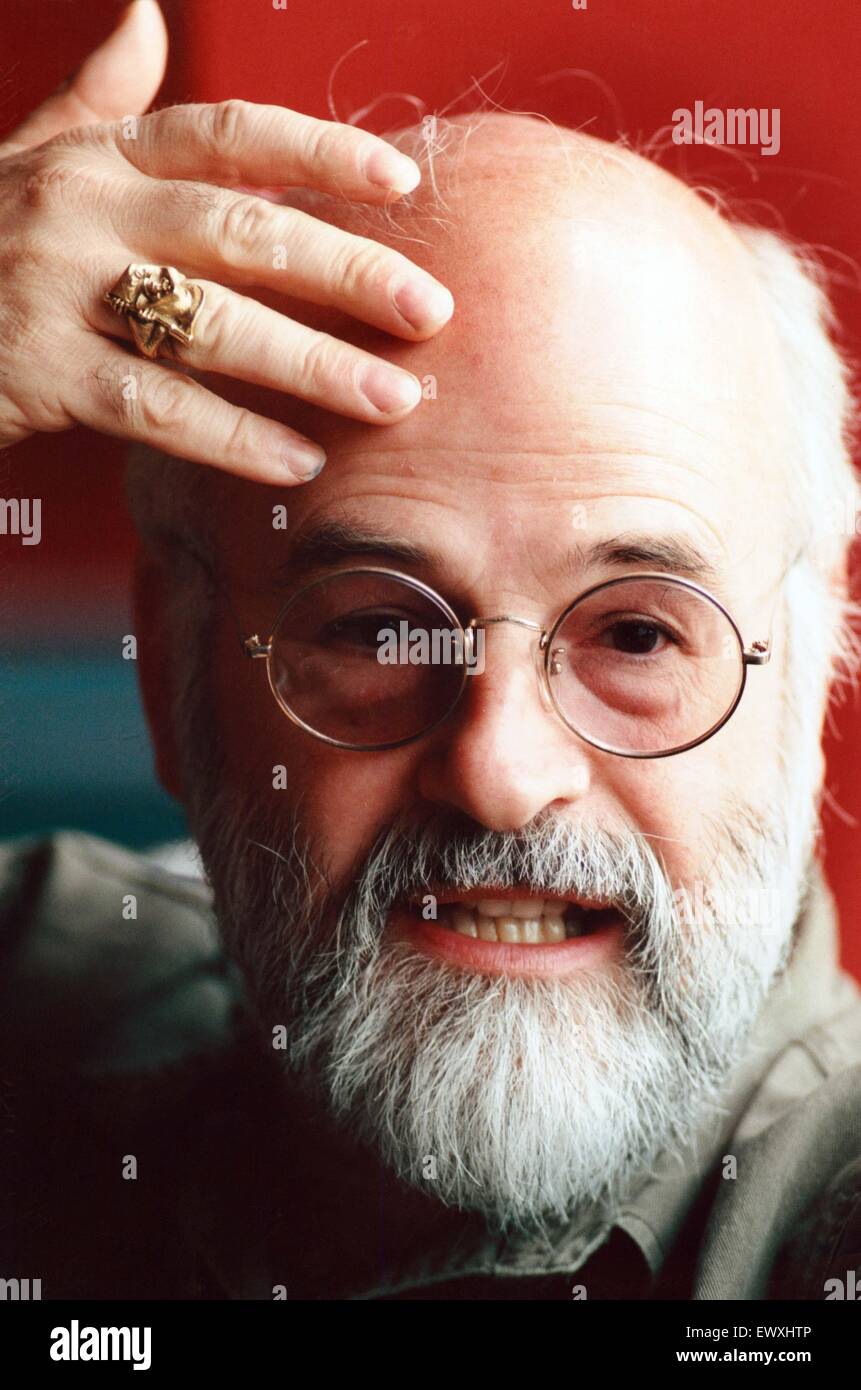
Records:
x=610, y=330
x=576, y=267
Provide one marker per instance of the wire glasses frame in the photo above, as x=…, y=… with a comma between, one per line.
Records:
x=548, y=654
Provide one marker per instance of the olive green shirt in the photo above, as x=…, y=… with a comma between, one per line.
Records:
x=124, y=1035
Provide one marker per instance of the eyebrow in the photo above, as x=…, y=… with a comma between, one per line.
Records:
x=668, y=554
x=327, y=544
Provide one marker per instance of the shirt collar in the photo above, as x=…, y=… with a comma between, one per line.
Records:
x=809, y=989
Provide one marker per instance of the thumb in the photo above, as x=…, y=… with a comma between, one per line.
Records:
x=119, y=78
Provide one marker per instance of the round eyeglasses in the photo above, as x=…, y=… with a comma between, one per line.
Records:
x=642, y=666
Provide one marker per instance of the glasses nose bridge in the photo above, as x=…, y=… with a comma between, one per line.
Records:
x=529, y=623
x=531, y=626
x=508, y=618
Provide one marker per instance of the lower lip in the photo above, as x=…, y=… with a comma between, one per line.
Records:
x=503, y=958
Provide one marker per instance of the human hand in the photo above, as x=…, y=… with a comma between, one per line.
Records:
x=79, y=201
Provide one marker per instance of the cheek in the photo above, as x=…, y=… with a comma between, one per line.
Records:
x=348, y=798
x=678, y=803
x=345, y=797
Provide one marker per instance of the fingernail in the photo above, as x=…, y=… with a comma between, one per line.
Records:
x=306, y=460
x=389, y=389
x=388, y=168
x=424, y=302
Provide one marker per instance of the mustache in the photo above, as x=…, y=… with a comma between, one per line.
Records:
x=552, y=856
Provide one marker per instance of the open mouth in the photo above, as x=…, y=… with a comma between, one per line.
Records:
x=524, y=921
x=520, y=920
x=510, y=931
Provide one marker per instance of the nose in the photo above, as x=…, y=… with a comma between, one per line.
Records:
x=504, y=756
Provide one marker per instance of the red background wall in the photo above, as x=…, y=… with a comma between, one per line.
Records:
x=619, y=65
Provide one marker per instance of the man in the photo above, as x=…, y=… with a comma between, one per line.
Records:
x=527, y=980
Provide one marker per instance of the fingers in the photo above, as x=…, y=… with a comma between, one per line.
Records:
x=238, y=142
x=123, y=395
x=238, y=337
x=119, y=78
x=243, y=239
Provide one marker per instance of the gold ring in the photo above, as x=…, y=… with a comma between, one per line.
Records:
x=159, y=303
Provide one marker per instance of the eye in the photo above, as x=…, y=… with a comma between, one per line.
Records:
x=637, y=636
x=362, y=628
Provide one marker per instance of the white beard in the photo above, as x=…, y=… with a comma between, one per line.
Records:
x=523, y=1098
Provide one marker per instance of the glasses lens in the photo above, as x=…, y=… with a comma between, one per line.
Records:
x=366, y=660
x=645, y=666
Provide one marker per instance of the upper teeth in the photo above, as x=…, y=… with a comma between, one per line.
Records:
x=525, y=921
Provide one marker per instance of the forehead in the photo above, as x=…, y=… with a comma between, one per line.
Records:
x=610, y=364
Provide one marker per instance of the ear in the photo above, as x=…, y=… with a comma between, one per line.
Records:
x=155, y=666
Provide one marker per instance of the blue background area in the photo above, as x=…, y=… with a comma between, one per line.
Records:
x=75, y=751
